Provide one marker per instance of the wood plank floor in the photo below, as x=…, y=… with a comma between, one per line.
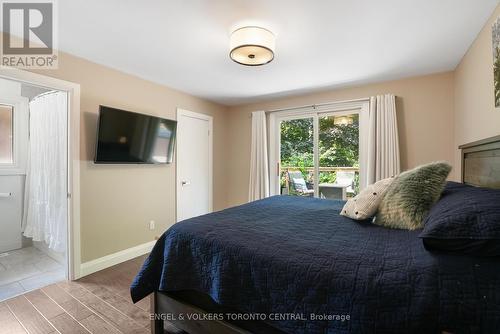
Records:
x=98, y=304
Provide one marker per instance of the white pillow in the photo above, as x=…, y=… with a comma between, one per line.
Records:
x=366, y=203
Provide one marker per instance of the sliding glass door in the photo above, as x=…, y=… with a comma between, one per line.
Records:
x=317, y=153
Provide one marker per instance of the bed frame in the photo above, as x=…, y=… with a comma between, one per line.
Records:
x=481, y=163
x=480, y=167
x=164, y=304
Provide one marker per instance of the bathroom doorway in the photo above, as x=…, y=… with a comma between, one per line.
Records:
x=34, y=187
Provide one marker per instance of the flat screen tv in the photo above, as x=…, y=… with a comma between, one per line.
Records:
x=125, y=137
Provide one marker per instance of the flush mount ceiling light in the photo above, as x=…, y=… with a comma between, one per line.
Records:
x=252, y=46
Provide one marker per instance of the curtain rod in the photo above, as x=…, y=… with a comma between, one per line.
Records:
x=43, y=94
x=314, y=106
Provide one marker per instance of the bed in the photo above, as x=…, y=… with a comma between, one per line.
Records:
x=294, y=265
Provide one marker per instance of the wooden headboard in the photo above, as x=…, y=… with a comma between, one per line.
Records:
x=481, y=163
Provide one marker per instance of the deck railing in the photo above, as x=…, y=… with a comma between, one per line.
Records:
x=321, y=169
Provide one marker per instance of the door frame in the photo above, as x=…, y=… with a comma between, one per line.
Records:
x=362, y=106
x=192, y=114
x=73, y=256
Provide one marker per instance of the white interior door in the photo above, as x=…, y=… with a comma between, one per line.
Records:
x=194, y=164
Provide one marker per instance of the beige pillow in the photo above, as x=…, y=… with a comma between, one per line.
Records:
x=366, y=203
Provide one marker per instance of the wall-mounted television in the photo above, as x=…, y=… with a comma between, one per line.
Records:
x=125, y=137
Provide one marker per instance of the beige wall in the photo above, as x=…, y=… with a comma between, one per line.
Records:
x=117, y=202
x=425, y=120
x=475, y=114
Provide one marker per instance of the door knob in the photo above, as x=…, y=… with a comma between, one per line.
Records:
x=185, y=183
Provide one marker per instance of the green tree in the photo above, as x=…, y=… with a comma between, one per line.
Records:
x=297, y=143
x=338, y=143
x=338, y=146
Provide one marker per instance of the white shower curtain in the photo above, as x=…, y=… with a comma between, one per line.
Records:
x=382, y=160
x=259, y=165
x=45, y=200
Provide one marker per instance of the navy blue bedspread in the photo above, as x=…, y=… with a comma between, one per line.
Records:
x=298, y=255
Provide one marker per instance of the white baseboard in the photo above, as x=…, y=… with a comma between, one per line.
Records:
x=110, y=260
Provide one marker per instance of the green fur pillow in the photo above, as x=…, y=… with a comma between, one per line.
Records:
x=411, y=196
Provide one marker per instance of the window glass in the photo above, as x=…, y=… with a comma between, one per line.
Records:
x=338, y=156
x=297, y=157
x=6, y=134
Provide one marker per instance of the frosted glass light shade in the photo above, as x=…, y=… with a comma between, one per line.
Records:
x=252, y=46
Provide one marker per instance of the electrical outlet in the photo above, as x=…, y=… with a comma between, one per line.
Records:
x=152, y=225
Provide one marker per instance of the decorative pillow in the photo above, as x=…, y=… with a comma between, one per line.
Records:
x=411, y=195
x=366, y=203
x=466, y=220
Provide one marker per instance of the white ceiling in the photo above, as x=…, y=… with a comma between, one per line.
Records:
x=320, y=43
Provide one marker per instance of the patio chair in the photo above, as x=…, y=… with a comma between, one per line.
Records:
x=298, y=185
x=346, y=178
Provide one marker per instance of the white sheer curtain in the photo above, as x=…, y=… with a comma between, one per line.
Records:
x=382, y=144
x=45, y=200
x=259, y=165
